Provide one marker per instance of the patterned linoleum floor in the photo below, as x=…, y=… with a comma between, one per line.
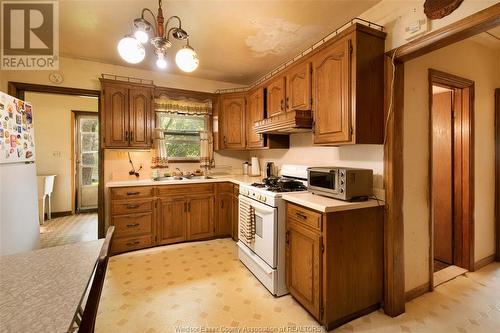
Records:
x=68, y=229
x=202, y=287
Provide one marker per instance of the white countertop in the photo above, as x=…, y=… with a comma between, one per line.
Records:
x=236, y=179
x=327, y=205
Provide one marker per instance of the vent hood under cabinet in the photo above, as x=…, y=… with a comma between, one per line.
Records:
x=294, y=121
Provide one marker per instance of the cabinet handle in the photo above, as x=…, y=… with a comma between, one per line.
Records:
x=225, y=140
x=133, y=193
x=302, y=216
x=185, y=207
x=287, y=241
x=133, y=243
x=132, y=206
x=189, y=206
x=132, y=225
x=126, y=135
x=131, y=135
x=281, y=105
x=286, y=104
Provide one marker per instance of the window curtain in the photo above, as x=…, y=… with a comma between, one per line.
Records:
x=187, y=106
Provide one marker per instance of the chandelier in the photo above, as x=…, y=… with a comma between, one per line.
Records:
x=131, y=47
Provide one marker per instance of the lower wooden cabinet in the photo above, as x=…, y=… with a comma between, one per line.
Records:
x=172, y=214
x=303, y=255
x=200, y=217
x=334, y=262
x=148, y=216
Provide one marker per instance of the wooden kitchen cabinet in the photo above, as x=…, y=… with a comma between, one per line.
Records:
x=223, y=222
x=255, y=113
x=298, y=91
x=276, y=96
x=127, y=120
x=304, y=264
x=235, y=213
x=334, y=262
x=200, y=221
x=172, y=217
x=232, y=122
x=133, y=215
x=348, y=88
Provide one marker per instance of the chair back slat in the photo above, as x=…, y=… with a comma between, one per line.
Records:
x=90, y=312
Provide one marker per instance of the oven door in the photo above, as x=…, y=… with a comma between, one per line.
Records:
x=264, y=243
x=325, y=180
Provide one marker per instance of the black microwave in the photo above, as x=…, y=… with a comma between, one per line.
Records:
x=340, y=183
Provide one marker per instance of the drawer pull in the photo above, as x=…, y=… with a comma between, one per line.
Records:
x=132, y=225
x=302, y=216
x=133, y=193
x=132, y=243
x=132, y=206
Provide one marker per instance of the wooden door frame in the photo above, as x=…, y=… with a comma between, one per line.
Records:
x=74, y=172
x=394, y=273
x=463, y=181
x=18, y=90
x=497, y=171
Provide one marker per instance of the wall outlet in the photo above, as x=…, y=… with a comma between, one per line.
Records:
x=56, y=154
x=415, y=24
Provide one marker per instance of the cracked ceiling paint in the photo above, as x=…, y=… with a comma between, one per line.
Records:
x=276, y=36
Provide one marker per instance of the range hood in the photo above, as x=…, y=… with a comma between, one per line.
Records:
x=295, y=121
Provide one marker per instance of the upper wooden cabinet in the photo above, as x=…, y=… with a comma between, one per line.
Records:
x=232, y=121
x=127, y=115
x=298, y=91
x=276, y=96
x=255, y=113
x=348, y=84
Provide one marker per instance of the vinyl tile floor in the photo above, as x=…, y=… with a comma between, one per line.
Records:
x=203, y=287
x=68, y=229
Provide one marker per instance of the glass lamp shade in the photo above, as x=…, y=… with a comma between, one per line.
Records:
x=131, y=50
x=161, y=63
x=187, y=59
x=141, y=36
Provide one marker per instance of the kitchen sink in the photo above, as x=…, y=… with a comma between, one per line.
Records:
x=179, y=178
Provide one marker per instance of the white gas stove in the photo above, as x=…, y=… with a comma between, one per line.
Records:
x=261, y=227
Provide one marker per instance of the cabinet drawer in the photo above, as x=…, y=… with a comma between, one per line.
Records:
x=119, y=207
x=225, y=188
x=131, y=192
x=188, y=189
x=131, y=243
x=133, y=224
x=304, y=216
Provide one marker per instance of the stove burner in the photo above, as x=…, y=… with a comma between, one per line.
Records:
x=275, y=184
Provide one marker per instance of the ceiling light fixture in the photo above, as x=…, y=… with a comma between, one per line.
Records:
x=131, y=49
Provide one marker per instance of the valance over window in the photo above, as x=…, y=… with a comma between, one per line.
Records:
x=183, y=106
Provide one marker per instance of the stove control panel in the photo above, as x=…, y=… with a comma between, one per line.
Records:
x=257, y=195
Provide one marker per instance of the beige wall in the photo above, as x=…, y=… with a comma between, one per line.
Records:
x=480, y=64
x=302, y=151
x=392, y=15
x=52, y=121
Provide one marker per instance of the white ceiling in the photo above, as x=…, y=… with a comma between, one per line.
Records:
x=490, y=39
x=237, y=41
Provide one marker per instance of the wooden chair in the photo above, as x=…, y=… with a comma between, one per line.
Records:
x=89, y=314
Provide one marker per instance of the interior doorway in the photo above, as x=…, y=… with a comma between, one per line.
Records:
x=86, y=161
x=451, y=175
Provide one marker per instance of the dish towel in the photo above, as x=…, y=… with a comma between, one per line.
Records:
x=247, y=223
x=206, y=150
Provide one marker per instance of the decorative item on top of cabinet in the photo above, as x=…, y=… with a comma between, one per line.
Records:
x=232, y=121
x=276, y=96
x=334, y=262
x=348, y=93
x=127, y=120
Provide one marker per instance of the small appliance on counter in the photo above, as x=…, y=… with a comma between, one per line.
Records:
x=245, y=168
x=350, y=184
x=255, y=169
x=270, y=170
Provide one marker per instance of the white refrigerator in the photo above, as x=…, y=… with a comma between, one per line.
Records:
x=19, y=228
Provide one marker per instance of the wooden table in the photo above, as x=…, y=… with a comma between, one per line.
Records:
x=40, y=290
